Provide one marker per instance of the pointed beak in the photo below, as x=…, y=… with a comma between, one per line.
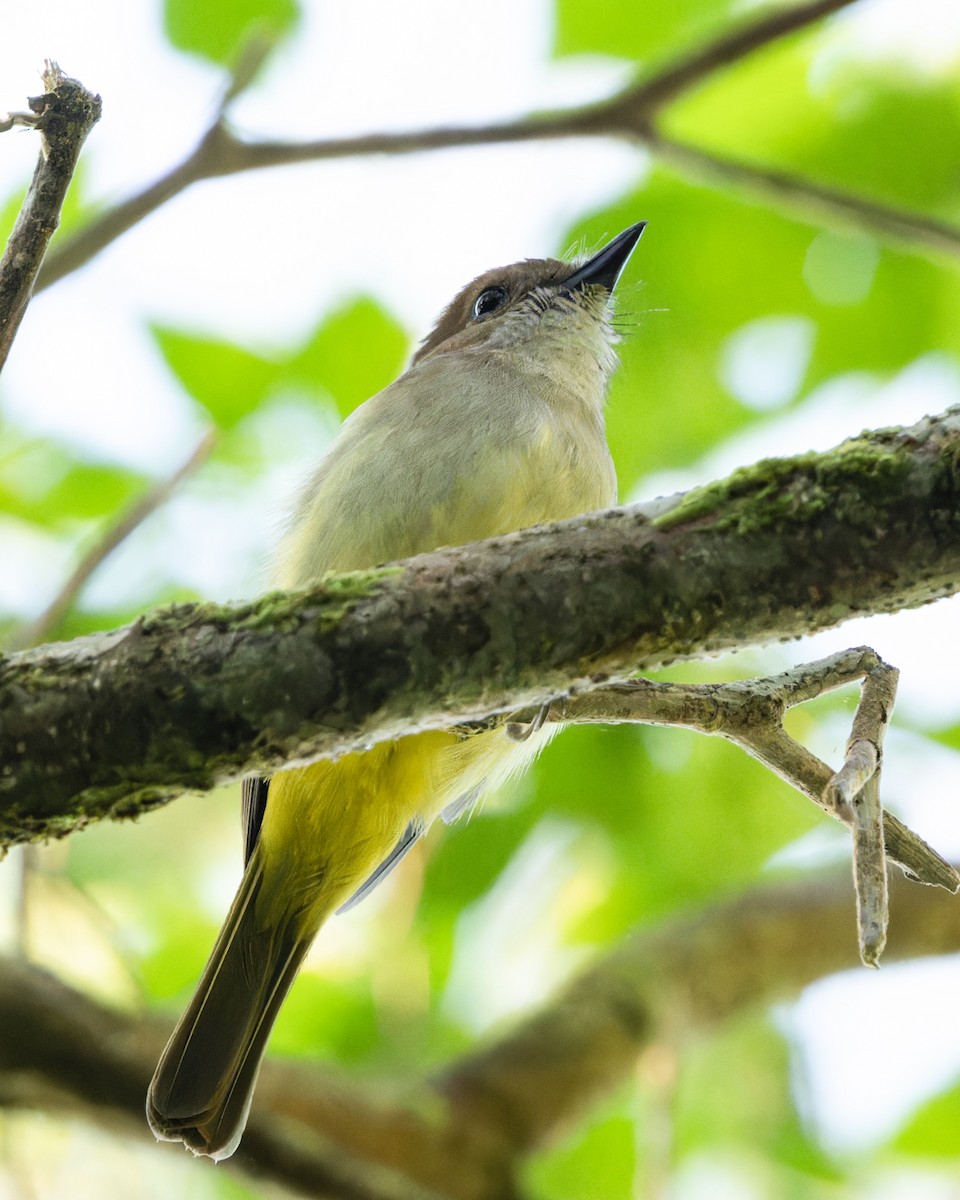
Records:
x=606, y=266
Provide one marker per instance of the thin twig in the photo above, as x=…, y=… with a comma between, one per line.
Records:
x=64, y=115
x=870, y=872
x=49, y=620
x=630, y=115
x=750, y=713
x=222, y=152
x=856, y=786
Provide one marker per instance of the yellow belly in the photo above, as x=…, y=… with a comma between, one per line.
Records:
x=328, y=826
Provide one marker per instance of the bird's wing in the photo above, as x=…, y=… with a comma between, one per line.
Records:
x=410, y=835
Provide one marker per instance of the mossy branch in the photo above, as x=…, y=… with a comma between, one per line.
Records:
x=194, y=695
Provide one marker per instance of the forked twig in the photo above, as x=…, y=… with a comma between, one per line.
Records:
x=750, y=713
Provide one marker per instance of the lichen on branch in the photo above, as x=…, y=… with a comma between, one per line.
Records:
x=194, y=695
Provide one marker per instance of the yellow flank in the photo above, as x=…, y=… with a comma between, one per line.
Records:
x=332, y=823
x=328, y=826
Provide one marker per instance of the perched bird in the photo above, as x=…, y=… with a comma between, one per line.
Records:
x=497, y=425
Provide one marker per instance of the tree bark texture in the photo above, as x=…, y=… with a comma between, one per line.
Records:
x=194, y=695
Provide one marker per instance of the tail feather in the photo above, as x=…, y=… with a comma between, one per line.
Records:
x=203, y=1085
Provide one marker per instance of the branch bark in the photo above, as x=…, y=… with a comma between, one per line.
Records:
x=64, y=115
x=194, y=695
x=461, y=1133
x=750, y=713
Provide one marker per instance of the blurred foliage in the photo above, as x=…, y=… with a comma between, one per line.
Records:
x=599, y=1159
x=745, y=315
x=231, y=382
x=220, y=32
x=933, y=1130
x=228, y=381
x=43, y=483
x=606, y=27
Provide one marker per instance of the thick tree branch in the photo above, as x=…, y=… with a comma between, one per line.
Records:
x=63, y=1052
x=64, y=115
x=460, y=1135
x=196, y=694
x=631, y=115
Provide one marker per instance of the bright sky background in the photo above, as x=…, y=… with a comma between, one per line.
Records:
x=256, y=257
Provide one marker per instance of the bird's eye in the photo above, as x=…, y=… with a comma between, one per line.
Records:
x=489, y=301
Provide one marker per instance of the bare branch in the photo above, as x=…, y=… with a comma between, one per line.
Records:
x=750, y=713
x=90, y=1060
x=222, y=152
x=857, y=786
x=64, y=115
x=662, y=985
x=630, y=114
x=50, y=619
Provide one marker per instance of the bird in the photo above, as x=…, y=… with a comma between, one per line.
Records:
x=497, y=425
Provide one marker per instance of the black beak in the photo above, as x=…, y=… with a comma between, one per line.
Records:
x=605, y=268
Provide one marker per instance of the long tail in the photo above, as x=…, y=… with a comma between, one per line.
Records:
x=203, y=1085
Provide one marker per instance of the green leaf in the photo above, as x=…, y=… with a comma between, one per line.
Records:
x=354, y=353
x=90, y=490
x=857, y=130
x=46, y=484
x=685, y=816
x=948, y=736
x=712, y=265
x=597, y=1160
x=229, y=381
x=219, y=31
x=623, y=31
x=932, y=1131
